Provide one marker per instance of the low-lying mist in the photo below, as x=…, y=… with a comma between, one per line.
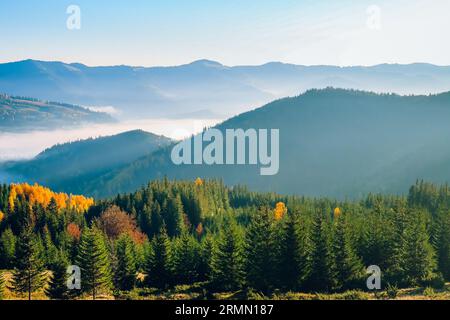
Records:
x=25, y=145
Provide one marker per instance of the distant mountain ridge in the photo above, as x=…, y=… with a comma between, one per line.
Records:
x=22, y=113
x=206, y=87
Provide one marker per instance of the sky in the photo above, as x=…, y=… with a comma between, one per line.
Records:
x=233, y=32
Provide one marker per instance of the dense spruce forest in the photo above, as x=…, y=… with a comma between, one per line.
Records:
x=214, y=238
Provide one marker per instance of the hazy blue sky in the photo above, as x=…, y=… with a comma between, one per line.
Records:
x=234, y=32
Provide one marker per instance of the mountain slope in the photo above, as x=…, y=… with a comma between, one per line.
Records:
x=19, y=113
x=69, y=166
x=205, y=88
x=333, y=142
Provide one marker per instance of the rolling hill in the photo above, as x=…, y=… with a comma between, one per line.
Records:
x=333, y=142
x=72, y=166
x=20, y=113
x=205, y=89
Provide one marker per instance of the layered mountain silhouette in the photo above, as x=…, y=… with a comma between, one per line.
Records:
x=333, y=142
x=205, y=89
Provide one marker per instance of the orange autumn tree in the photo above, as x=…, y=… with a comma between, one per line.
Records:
x=280, y=211
x=74, y=231
x=115, y=222
x=198, y=182
x=42, y=195
x=199, y=229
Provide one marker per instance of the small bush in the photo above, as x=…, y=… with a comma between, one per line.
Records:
x=355, y=295
x=253, y=295
x=429, y=292
x=437, y=282
x=392, y=291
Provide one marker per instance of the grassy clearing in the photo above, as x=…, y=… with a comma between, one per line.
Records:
x=198, y=292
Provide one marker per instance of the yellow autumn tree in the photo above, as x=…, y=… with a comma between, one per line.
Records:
x=337, y=212
x=280, y=211
x=2, y=215
x=42, y=195
x=198, y=182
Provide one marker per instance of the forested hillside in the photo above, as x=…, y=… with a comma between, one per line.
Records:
x=333, y=142
x=215, y=239
x=71, y=166
x=21, y=113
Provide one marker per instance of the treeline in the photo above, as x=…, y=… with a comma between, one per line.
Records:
x=178, y=232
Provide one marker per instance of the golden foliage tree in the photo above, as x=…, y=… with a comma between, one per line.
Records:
x=42, y=195
x=198, y=182
x=337, y=212
x=280, y=211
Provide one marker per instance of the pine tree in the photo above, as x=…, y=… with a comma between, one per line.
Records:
x=28, y=274
x=94, y=262
x=157, y=221
x=125, y=271
x=290, y=260
x=322, y=276
x=57, y=287
x=227, y=259
x=7, y=249
x=173, y=216
x=395, y=272
x=349, y=268
x=185, y=258
x=419, y=260
x=157, y=266
x=303, y=251
x=442, y=242
x=206, y=251
x=50, y=252
x=259, y=251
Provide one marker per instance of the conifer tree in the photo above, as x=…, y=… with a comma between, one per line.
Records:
x=419, y=262
x=349, y=268
x=157, y=221
x=259, y=251
x=442, y=242
x=206, y=251
x=57, y=287
x=50, y=252
x=29, y=273
x=125, y=271
x=157, y=267
x=290, y=259
x=227, y=260
x=173, y=216
x=185, y=257
x=322, y=276
x=395, y=272
x=7, y=249
x=94, y=262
